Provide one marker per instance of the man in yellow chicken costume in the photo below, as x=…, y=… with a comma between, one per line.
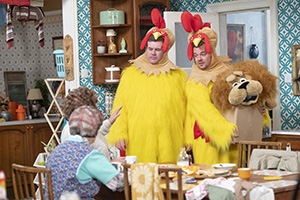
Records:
x=208, y=131
x=152, y=93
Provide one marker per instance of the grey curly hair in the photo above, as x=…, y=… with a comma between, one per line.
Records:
x=81, y=96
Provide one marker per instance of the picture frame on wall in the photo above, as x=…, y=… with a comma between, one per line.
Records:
x=236, y=42
x=296, y=68
x=57, y=43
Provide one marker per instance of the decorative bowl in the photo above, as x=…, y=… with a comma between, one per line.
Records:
x=228, y=166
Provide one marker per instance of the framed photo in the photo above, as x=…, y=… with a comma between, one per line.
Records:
x=57, y=43
x=236, y=42
x=296, y=68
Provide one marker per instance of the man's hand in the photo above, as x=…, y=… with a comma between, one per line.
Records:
x=235, y=135
x=115, y=115
x=188, y=147
x=121, y=144
x=263, y=111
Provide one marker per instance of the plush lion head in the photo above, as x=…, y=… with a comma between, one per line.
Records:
x=248, y=83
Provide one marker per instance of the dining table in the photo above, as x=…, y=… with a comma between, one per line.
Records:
x=283, y=189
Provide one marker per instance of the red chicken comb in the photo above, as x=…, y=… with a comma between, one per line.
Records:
x=190, y=22
x=197, y=23
x=186, y=20
x=157, y=19
x=159, y=22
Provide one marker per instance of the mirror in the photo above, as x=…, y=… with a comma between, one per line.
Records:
x=296, y=68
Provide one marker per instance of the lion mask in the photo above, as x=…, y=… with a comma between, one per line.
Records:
x=245, y=84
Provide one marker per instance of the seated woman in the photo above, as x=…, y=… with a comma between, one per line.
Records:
x=84, y=96
x=77, y=166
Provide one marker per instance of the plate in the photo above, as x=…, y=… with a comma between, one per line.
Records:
x=213, y=173
x=220, y=171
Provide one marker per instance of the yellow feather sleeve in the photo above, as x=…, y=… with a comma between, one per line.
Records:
x=266, y=119
x=209, y=119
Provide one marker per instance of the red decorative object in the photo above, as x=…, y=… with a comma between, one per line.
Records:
x=16, y=2
x=198, y=132
x=159, y=22
x=194, y=23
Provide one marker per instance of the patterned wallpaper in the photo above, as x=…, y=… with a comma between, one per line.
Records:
x=288, y=24
x=27, y=55
x=85, y=59
x=289, y=34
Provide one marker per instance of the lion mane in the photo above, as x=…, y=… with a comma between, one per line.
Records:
x=247, y=83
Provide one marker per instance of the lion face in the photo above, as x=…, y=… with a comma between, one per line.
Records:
x=244, y=90
x=244, y=84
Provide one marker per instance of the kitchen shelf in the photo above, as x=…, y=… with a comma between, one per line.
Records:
x=98, y=32
x=112, y=26
x=113, y=54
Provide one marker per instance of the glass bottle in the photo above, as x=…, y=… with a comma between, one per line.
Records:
x=183, y=158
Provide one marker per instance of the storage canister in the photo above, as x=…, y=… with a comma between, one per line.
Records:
x=112, y=16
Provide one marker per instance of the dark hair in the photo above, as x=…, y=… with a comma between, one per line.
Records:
x=79, y=97
x=152, y=39
x=200, y=44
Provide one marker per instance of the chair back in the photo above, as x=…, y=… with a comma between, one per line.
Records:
x=165, y=180
x=25, y=178
x=250, y=145
x=168, y=181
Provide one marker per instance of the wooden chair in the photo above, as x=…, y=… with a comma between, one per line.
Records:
x=23, y=176
x=250, y=145
x=167, y=180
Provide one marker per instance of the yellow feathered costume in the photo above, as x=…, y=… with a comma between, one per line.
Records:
x=200, y=109
x=154, y=106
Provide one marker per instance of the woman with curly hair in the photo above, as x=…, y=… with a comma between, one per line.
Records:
x=84, y=96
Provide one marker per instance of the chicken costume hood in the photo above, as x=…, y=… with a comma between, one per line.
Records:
x=164, y=65
x=197, y=32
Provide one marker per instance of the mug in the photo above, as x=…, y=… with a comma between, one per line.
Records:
x=130, y=159
x=118, y=166
x=244, y=173
x=100, y=49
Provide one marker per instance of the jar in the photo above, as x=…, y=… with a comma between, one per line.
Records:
x=20, y=113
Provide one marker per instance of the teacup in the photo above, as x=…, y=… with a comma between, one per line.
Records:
x=244, y=173
x=118, y=166
x=131, y=159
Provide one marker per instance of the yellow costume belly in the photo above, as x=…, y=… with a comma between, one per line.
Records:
x=152, y=117
x=213, y=125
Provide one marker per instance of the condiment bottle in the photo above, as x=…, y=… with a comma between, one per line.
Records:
x=183, y=158
x=288, y=147
x=20, y=113
x=2, y=186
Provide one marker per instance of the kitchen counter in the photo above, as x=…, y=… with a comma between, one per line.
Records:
x=29, y=121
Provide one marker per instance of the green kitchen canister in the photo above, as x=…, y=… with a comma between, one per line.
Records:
x=112, y=16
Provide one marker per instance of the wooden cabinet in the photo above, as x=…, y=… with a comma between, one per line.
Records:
x=21, y=144
x=293, y=139
x=142, y=19
x=137, y=23
x=98, y=32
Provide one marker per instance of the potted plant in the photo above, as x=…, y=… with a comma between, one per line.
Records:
x=101, y=46
x=40, y=83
